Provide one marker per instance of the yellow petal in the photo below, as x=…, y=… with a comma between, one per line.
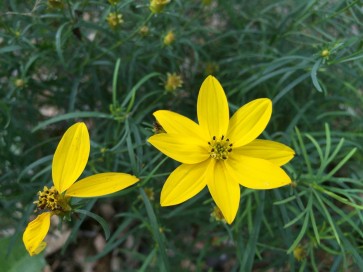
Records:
x=101, y=184
x=249, y=121
x=185, y=182
x=183, y=149
x=274, y=152
x=225, y=191
x=212, y=108
x=175, y=123
x=35, y=233
x=71, y=156
x=256, y=173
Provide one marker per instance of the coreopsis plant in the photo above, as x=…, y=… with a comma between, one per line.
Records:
x=69, y=161
x=219, y=152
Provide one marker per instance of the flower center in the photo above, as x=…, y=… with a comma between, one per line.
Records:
x=220, y=148
x=52, y=200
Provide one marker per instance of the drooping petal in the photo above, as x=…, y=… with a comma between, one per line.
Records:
x=101, y=184
x=255, y=173
x=249, y=121
x=175, y=123
x=70, y=157
x=185, y=182
x=183, y=149
x=274, y=152
x=35, y=233
x=212, y=108
x=225, y=191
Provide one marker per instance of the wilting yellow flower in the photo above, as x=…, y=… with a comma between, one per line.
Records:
x=219, y=152
x=173, y=81
x=69, y=161
x=114, y=19
x=157, y=6
x=169, y=38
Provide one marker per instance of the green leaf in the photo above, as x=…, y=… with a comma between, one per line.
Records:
x=72, y=115
x=14, y=257
x=99, y=219
x=313, y=75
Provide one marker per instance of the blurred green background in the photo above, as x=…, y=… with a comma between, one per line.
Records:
x=112, y=64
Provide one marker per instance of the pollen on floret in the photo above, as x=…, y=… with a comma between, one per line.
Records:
x=220, y=148
x=50, y=199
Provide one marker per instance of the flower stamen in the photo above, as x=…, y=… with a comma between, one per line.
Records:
x=220, y=149
x=52, y=200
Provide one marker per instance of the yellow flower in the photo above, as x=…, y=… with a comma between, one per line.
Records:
x=69, y=161
x=114, y=19
x=173, y=82
x=169, y=38
x=157, y=6
x=219, y=152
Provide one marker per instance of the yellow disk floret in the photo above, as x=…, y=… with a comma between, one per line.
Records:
x=50, y=199
x=220, y=149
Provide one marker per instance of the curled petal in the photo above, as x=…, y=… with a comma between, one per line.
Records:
x=101, y=184
x=183, y=149
x=175, y=123
x=185, y=182
x=249, y=121
x=225, y=191
x=274, y=152
x=212, y=108
x=35, y=233
x=255, y=173
x=70, y=157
